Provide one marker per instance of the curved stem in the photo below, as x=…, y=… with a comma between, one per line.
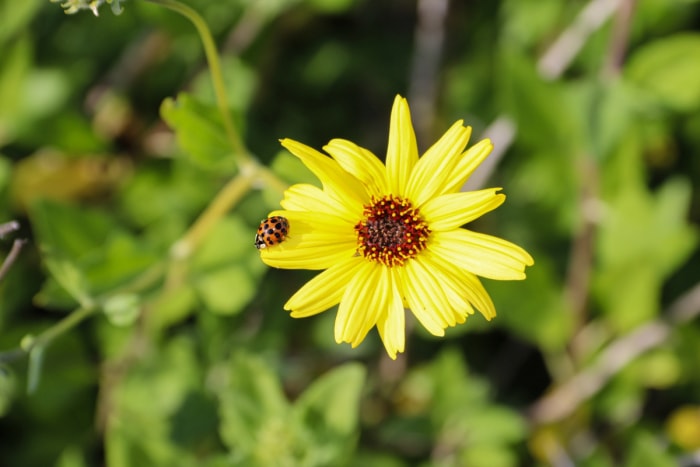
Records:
x=215, y=69
x=30, y=343
x=229, y=195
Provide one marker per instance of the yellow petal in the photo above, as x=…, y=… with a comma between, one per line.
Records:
x=402, y=152
x=336, y=181
x=392, y=324
x=481, y=254
x=314, y=241
x=459, y=305
x=323, y=291
x=452, y=210
x=470, y=160
x=304, y=197
x=433, y=168
x=361, y=163
x=364, y=300
x=434, y=281
x=426, y=305
x=466, y=284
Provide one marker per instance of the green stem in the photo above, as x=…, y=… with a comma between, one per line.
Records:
x=30, y=343
x=210, y=51
x=250, y=170
x=229, y=195
x=66, y=324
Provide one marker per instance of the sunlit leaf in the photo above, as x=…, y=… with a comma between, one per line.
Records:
x=330, y=406
x=252, y=407
x=669, y=68
x=199, y=132
x=122, y=309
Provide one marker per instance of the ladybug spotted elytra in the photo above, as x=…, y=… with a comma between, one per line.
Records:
x=272, y=231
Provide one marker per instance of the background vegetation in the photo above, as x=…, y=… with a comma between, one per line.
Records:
x=129, y=338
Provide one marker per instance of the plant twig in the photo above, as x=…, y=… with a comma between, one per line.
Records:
x=212, y=55
x=580, y=264
x=8, y=227
x=11, y=256
x=562, y=52
x=234, y=190
x=565, y=398
x=619, y=38
x=30, y=343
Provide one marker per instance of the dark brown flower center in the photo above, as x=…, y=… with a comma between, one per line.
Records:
x=391, y=231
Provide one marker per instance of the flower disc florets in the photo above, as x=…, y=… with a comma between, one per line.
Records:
x=391, y=231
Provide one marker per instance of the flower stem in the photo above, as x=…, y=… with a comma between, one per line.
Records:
x=212, y=55
x=30, y=343
x=229, y=195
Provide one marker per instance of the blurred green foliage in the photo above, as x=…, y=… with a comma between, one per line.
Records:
x=122, y=349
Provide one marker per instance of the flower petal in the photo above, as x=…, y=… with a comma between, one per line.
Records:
x=336, y=181
x=453, y=210
x=433, y=168
x=402, y=151
x=452, y=288
x=467, y=285
x=304, y=197
x=446, y=293
x=392, y=324
x=470, y=160
x=323, y=291
x=361, y=163
x=481, y=254
x=315, y=241
x=363, y=302
x=418, y=287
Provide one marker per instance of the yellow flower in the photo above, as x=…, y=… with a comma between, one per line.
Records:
x=390, y=237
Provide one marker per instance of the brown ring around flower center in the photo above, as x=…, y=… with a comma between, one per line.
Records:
x=391, y=231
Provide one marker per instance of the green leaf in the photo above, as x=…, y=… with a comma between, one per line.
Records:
x=15, y=63
x=328, y=413
x=251, y=406
x=330, y=6
x=71, y=457
x=240, y=81
x=141, y=430
x=121, y=259
x=5, y=171
x=69, y=231
x=15, y=17
x=122, y=309
x=86, y=253
x=668, y=68
x=642, y=238
x=199, y=132
x=330, y=406
x=647, y=450
x=173, y=306
x=7, y=389
x=497, y=425
x=541, y=109
x=70, y=278
x=489, y=456
x=227, y=267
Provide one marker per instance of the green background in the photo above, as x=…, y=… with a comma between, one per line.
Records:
x=111, y=146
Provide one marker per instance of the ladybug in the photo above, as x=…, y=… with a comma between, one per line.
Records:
x=272, y=231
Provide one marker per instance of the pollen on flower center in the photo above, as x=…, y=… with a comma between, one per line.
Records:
x=391, y=231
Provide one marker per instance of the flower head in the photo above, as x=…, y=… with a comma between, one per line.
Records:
x=389, y=237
